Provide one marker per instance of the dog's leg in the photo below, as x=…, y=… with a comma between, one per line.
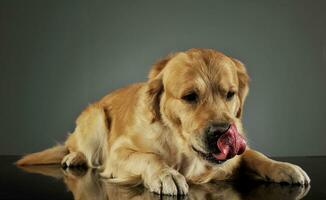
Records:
x=74, y=159
x=157, y=176
x=87, y=145
x=274, y=171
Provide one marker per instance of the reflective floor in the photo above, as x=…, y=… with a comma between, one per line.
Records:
x=53, y=182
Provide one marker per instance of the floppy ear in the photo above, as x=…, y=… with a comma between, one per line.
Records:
x=155, y=87
x=159, y=66
x=154, y=92
x=243, y=78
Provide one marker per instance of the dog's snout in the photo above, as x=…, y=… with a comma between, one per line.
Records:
x=213, y=132
x=218, y=128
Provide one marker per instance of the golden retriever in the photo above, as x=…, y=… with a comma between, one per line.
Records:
x=181, y=126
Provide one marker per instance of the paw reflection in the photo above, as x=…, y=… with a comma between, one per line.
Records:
x=87, y=184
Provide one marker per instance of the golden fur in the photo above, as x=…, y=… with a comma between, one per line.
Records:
x=146, y=131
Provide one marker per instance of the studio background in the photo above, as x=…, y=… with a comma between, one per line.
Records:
x=56, y=57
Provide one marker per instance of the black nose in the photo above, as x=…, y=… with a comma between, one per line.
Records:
x=218, y=128
x=214, y=131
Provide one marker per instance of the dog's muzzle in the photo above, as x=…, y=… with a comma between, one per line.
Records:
x=223, y=142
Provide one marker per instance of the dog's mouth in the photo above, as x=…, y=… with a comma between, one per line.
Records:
x=225, y=147
x=208, y=156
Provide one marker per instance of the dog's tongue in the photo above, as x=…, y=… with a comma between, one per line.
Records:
x=231, y=143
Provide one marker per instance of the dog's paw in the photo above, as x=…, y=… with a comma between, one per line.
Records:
x=282, y=172
x=74, y=159
x=167, y=182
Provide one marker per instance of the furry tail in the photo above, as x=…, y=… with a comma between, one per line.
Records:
x=52, y=155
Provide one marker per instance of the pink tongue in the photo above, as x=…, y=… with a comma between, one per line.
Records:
x=231, y=143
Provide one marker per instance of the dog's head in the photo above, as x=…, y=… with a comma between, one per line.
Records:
x=200, y=94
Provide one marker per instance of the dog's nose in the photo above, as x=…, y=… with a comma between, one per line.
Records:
x=213, y=132
x=218, y=128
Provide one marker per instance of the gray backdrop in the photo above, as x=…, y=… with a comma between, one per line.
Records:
x=56, y=57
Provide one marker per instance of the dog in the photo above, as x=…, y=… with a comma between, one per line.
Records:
x=183, y=125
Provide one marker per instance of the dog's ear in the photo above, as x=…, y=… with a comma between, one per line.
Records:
x=159, y=66
x=155, y=87
x=243, y=78
x=154, y=92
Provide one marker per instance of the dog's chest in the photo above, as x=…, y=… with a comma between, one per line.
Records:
x=198, y=171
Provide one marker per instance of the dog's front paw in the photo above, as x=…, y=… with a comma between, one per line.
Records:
x=168, y=182
x=282, y=172
x=74, y=159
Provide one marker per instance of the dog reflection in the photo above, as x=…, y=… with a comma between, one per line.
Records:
x=87, y=185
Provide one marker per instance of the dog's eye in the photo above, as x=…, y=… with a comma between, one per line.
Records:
x=191, y=97
x=230, y=95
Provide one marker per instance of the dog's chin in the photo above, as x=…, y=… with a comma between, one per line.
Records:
x=209, y=157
